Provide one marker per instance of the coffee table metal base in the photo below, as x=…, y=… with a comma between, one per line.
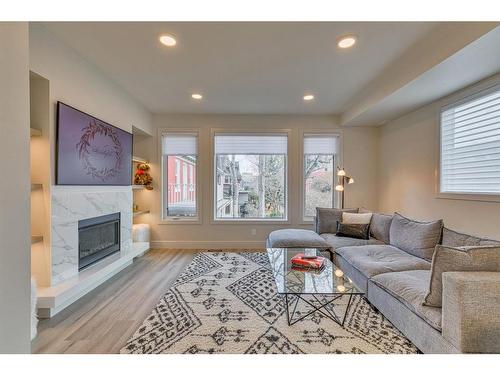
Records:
x=324, y=308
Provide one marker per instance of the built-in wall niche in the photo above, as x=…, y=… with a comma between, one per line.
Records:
x=40, y=178
x=142, y=196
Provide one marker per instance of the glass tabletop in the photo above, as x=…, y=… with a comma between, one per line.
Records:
x=329, y=280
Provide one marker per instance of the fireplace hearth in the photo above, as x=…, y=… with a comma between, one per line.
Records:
x=98, y=238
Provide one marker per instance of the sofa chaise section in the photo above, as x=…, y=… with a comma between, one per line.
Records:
x=396, y=309
x=471, y=311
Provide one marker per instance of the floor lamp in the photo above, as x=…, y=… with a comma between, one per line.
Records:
x=342, y=179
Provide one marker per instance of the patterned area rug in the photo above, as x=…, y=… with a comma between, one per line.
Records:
x=227, y=303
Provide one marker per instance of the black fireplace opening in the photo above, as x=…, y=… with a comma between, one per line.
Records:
x=98, y=238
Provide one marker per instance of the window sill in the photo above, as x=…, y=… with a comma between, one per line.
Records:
x=182, y=221
x=251, y=221
x=494, y=198
x=305, y=221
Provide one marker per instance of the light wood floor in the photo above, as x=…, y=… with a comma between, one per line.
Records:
x=103, y=320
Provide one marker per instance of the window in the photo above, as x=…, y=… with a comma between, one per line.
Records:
x=470, y=145
x=320, y=160
x=179, y=189
x=250, y=176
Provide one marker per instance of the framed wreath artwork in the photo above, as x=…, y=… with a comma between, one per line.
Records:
x=91, y=151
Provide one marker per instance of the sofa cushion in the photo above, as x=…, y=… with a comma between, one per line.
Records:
x=415, y=237
x=296, y=238
x=373, y=260
x=456, y=239
x=337, y=242
x=468, y=258
x=380, y=226
x=409, y=287
x=326, y=218
x=356, y=277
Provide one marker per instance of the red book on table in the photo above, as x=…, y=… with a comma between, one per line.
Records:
x=315, y=263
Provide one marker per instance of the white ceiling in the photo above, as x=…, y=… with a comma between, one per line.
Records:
x=478, y=60
x=241, y=67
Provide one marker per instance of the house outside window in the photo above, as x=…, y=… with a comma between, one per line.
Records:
x=179, y=187
x=191, y=178
x=252, y=171
x=177, y=177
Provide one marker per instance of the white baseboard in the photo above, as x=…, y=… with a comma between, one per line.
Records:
x=208, y=245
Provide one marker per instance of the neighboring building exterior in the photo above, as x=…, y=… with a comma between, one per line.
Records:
x=181, y=180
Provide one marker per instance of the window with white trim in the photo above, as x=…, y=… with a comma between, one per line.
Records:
x=250, y=181
x=320, y=160
x=179, y=154
x=470, y=145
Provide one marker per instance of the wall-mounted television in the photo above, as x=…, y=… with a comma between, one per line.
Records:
x=91, y=151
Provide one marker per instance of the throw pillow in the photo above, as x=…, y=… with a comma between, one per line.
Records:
x=415, y=237
x=380, y=227
x=350, y=218
x=361, y=231
x=466, y=258
x=326, y=218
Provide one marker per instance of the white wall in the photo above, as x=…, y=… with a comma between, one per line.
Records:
x=408, y=157
x=80, y=84
x=360, y=148
x=15, y=191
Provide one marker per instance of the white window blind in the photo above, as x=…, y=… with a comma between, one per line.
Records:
x=470, y=145
x=320, y=144
x=250, y=144
x=180, y=144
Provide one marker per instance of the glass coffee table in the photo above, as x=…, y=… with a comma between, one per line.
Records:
x=319, y=290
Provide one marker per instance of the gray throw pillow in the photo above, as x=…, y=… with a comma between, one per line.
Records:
x=380, y=227
x=415, y=237
x=326, y=218
x=466, y=258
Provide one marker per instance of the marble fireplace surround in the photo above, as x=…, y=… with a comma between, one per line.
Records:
x=70, y=204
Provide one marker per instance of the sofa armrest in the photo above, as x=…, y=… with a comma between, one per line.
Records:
x=471, y=311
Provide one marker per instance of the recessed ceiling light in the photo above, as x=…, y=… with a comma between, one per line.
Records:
x=197, y=96
x=347, y=41
x=167, y=40
x=308, y=97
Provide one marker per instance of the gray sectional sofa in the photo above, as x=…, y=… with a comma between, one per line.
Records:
x=393, y=269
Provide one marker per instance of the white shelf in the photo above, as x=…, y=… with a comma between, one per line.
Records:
x=53, y=299
x=138, y=159
x=36, y=239
x=138, y=187
x=140, y=212
x=35, y=132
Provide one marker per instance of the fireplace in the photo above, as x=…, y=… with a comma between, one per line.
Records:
x=98, y=238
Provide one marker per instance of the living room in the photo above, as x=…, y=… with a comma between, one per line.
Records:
x=327, y=187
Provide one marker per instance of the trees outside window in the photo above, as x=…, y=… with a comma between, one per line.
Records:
x=320, y=152
x=251, y=183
